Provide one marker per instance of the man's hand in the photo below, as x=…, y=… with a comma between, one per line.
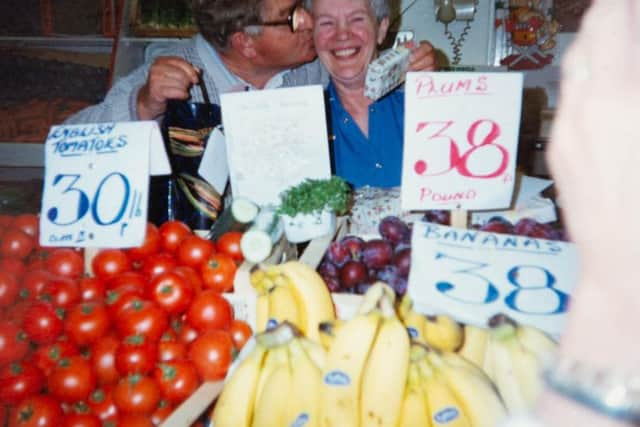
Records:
x=170, y=77
x=423, y=58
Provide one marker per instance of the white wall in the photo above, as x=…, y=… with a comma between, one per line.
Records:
x=477, y=49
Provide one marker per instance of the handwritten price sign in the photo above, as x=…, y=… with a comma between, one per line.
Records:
x=96, y=183
x=472, y=275
x=460, y=140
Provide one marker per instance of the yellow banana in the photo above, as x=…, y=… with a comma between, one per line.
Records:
x=316, y=352
x=444, y=407
x=528, y=371
x=443, y=333
x=262, y=312
x=312, y=295
x=415, y=323
x=271, y=406
x=474, y=344
x=343, y=372
x=473, y=391
x=502, y=364
x=536, y=341
x=235, y=404
x=282, y=306
x=303, y=407
x=327, y=332
x=274, y=358
x=414, y=410
x=385, y=372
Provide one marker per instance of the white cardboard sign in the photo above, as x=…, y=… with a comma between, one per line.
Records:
x=275, y=139
x=472, y=275
x=96, y=183
x=460, y=140
x=213, y=166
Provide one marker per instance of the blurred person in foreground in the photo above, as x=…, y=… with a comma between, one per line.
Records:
x=366, y=135
x=242, y=45
x=595, y=159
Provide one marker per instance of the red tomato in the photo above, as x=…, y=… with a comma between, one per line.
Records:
x=211, y=353
x=9, y=289
x=194, y=250
x=100, y=402
x=129, y=279
x=14, y=266
x=87, y=322
x=119, y=299
x=62, y=292
x=16, y=243
x=136, y=394
x=186, y=333
x=172, y=233
x=171, y=292
x=19, y=380
x=110, y=262
x=42, y=323
x=46, y=357
x=170, y=349
x=15, y=313
x=65, y=262
x=72, y=380
x=151, y=244
x=103, y=359
x=81, y=420
x=27, y=223
x=136, y=355
x=36, y=411
x=92, y=289
x=157, y=264
x=218, y=272
x=5, y=220
x=209, y=310
x=14, y=343
x=229, y=243
x=240, y=333
x=177, y=380
x=4, y=415
x=162, y=412
x=34, y=281
x=135, y=420
x=192, y=276
x=142, y=318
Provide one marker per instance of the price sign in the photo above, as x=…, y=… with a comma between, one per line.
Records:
x=460, y=140
x=472, y=275
x=96, y=183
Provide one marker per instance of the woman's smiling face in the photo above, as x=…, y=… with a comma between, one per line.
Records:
x=346, y=34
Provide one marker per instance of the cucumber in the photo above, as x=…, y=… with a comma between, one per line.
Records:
x=236, y=217
x=257, y=242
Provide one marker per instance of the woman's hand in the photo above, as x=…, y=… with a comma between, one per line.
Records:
x=423, y=58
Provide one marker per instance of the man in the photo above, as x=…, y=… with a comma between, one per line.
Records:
x=243, y=45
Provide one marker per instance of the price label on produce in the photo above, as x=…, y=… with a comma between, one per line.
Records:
x=472, y=275
x=460, y=140
x=96, y=183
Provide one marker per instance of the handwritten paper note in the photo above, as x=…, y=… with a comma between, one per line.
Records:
x=275, y=139
x=472, y=275
x=96, y=183
x=461, y=139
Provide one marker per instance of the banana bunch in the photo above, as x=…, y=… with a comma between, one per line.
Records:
x=277, y=384
x=443, y=388
x=292, y=292
x=514, y=357
x=367, y=363
x=439, y=331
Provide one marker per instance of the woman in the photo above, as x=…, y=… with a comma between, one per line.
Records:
x=367, y=136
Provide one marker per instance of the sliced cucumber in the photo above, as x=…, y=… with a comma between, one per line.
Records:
x=237, y=217
x=258, y=241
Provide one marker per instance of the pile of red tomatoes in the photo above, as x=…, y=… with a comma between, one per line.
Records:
x=123, y=346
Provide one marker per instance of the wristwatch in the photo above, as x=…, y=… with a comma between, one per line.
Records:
x=608, y=391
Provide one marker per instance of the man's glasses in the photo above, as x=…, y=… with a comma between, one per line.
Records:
x=294, y=19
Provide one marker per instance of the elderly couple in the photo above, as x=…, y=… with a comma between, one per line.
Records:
x=258, y=44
